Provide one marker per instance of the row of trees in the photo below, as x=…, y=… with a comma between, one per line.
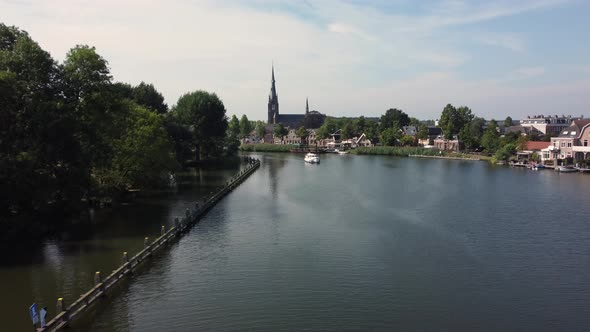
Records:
x=68, y=132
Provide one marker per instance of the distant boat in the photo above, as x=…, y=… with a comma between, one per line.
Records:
x=340, y=152
x=538, y=167
x=312, y=158
x=566, y=169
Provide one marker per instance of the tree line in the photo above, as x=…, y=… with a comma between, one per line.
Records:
x=69, y=133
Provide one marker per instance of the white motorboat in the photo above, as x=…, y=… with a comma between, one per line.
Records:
x=312, y=158
x=340, y=152
x=566, y=169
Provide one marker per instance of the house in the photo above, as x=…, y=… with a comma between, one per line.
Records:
x=443, y=144
x=532, y=148
x=433, y=133
x=357, y=141
x=547, y=124
x=572, y=142
x=410, y=131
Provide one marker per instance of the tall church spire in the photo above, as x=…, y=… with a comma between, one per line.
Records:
x=273, y=100
x=306, y=105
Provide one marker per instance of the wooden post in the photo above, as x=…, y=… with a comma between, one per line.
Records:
x=125, y=257
x=146, y=242
x=97, y=278
x=163, y=230
x=61, y=307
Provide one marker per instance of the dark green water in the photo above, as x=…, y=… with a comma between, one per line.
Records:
x=65, y=266
x=368, y=243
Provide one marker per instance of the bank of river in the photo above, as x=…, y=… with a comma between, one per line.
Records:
x=65, y=266
x=375, y=243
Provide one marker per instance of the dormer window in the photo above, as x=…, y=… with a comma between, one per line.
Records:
x=565, y=132
x=573, y=133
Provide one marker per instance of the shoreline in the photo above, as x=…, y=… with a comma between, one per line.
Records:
x=444, y=157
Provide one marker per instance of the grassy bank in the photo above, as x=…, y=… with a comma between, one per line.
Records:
x=266, y=148
x=404, y=151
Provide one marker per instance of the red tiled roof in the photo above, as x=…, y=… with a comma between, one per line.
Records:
x=537, y=146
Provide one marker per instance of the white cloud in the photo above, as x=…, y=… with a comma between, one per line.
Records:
x=508, y=41
x=347, y=59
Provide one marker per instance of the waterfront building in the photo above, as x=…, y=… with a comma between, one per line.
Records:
x=443, y=144
x=433, y=133
x=572, y=142
x=547, y=124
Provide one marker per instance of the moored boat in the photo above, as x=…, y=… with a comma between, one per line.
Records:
x=312, y=158
x=565, y=169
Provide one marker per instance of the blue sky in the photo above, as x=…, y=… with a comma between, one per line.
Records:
x=350, y=57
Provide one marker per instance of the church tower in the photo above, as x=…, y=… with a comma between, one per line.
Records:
x=306, y=106
x=273, y=101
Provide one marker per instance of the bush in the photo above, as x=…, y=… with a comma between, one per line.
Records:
x=266, y=148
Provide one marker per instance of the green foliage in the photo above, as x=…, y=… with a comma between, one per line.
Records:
x=393, y=118
x=142, y=154
x=453, y=120
x=407, y=140
x=422, y=132
x=245, y=126
x=507, y=122
x=234, y=126
x=505, y=152
x=146, y=95
x=280, y=131
x=302, y=133
x=491, y=138
x=329, y=127
x=204, y=114
x=389, y=136
x=348, y=130
x=266, y=148
x=260, y=129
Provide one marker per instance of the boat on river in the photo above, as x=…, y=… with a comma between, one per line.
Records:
x=566, y=169
x=340, y=152
x=312, y=158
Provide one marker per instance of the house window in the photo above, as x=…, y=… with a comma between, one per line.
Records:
x=563, y=144
x=569, y=144
x=585, y=142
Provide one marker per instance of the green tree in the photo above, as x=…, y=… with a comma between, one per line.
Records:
x=302, y=133
x=491, y=138
x=407, y=140
x=508, y=122
x=146, y=95
x=142, y=154
x=393, y=118
x=389, y=137
x=245, y=126
x=204, y=114
x=260, y=129
x=361, y=125
x=505, y=152
x=329, y=127
x=280, y=131
x=234, y=126
x=453, y=120
x=422, y=132
x=348, y=130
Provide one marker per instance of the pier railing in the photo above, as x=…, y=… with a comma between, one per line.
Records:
x=65, y=314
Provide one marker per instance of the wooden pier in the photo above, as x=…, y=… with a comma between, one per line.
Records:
x=65, y=314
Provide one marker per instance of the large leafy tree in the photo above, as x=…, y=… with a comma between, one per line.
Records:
x=234, y=126
x=142, y=153
x=389, y=136
x=453, y=120
x=280, y=131
x=38, y=148
x=204, y=114
x=245, y=126
x=260, y=129
x=302, y=133
x=329, y=127
x=394, y=118
x=146, y=95
x=491, y=138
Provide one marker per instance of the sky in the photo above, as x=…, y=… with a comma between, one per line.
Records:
x=349, y=57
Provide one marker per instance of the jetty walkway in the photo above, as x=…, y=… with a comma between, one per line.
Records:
x=66, y=314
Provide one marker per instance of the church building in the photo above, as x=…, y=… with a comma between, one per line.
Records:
x=309, y=120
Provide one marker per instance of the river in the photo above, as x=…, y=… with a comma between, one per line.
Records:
x=360, y=243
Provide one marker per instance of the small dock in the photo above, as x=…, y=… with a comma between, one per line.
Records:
x=67, y=313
